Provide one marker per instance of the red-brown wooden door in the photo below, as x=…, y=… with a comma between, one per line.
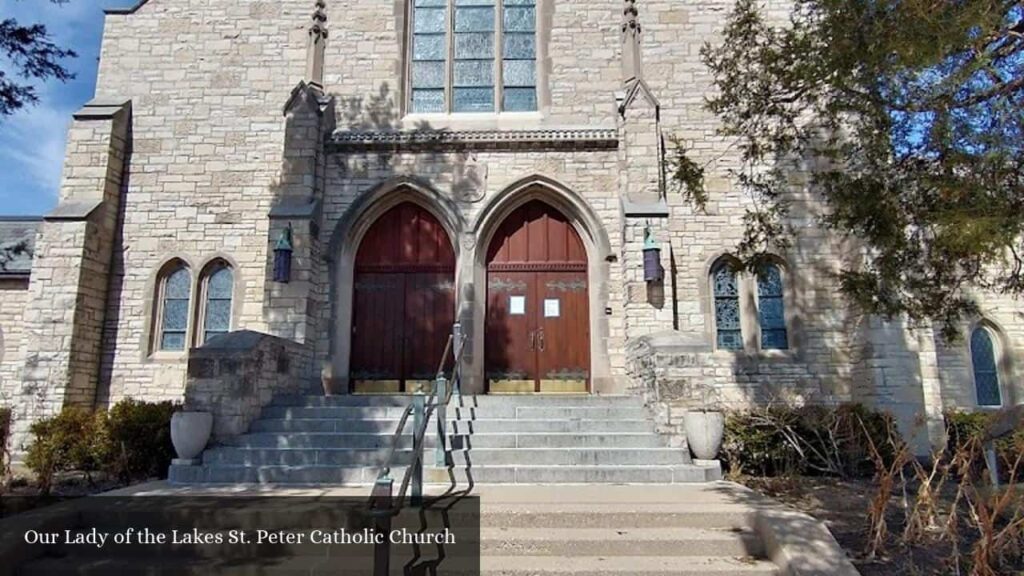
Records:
x=403, y=302
x=538, y=328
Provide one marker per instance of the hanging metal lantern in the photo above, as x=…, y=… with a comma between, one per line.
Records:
x=653, y=272
x=283, y=256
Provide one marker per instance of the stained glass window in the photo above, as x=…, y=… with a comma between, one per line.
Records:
x=459, y=47
x=986, y=372
x=727, y=308
x=519, y=55
x=219, y=288
x=176, y=289
x=430, y=19
x=771, y=309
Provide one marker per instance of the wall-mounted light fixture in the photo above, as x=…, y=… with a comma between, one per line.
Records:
x=283, y=256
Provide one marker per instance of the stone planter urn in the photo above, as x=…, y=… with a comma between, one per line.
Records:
x=327, y=379
x=704, y=433
x=190, y=431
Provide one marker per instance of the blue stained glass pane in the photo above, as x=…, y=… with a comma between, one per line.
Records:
x=773, y=313
x=774, y=339
x=519, y=2
x=221, y=284
x=427, y=101
x=474, y=2
x=520, y=46
x=428, y=74
x=428, y=47
x=520, y=19
x=769, y=281
x=520, y=100
x=474, y=73
x=429, y=20
x=474, y=20
x=441, y=3
x=730, y=340
x=473, y=99
x=178, y=284
x=479, y=45
x=218, y=315
x=727, y=314
x=175, y=315
x=725, y=282
x=172, y=341
x=986, y=373
x=519, y=73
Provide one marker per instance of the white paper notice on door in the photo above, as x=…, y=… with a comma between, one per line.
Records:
x=552, y=308
x=517, y=305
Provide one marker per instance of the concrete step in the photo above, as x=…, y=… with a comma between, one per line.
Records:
x=370, y=440
x=235, y=456
x=626, y=412
x=599, y=474
x=464, y=401
x=489, y=565
x=457, y=426
x=556, y=440
x=631, y=565
x=621, y=541
x=461, y=475
x=569, y=456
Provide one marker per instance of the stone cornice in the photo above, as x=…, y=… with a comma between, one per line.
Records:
x=514, y=140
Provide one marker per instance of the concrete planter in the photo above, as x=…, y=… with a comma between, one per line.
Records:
x=190, y=431
x=704, y=432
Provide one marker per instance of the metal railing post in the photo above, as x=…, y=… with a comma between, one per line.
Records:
x=419, y=402
x=457, y=343
x=380, y=505
x=442, y=421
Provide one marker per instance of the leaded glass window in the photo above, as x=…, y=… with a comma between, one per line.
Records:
x=771, y=309
x=727, y=308
x=176, y=289
x=986, y=371
x=473, y=56
x=217, y=316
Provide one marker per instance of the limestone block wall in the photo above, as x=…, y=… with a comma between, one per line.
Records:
x=13, y=298
x=209, y=81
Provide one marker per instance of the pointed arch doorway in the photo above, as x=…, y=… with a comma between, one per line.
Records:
x=537, y=326
x=403, y=302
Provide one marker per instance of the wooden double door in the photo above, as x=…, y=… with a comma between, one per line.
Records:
x=538, y=325
x=403, y=302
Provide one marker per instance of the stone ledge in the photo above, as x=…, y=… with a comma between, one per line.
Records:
x=542, y=139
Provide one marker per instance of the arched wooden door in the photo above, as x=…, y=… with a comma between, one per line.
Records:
x=403, y=302
x=538, y=321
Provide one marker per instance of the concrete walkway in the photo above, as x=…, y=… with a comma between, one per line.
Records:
x=716, y=527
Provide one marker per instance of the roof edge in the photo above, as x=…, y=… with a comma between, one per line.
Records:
x=124, y=11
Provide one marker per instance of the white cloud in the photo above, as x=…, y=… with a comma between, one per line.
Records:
x=33, y=143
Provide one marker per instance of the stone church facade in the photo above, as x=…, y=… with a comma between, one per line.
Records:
x=496, y=163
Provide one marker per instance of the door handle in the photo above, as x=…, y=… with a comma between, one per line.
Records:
x=533, y=334
x=540, y=340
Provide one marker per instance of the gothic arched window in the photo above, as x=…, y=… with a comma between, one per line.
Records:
x=771, y=308
x=726, y=290
x=217, y=288
x=986, y=368
x=175, y=287
x=473, y=56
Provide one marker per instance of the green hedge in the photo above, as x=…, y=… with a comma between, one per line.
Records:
x=807, y=440
x=131, y=441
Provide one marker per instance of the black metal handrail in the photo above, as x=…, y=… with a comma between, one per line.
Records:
x=384, y=505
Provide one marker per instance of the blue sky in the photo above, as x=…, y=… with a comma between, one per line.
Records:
x=32, y=140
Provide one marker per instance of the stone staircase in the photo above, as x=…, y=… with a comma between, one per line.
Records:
x=344, y=440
